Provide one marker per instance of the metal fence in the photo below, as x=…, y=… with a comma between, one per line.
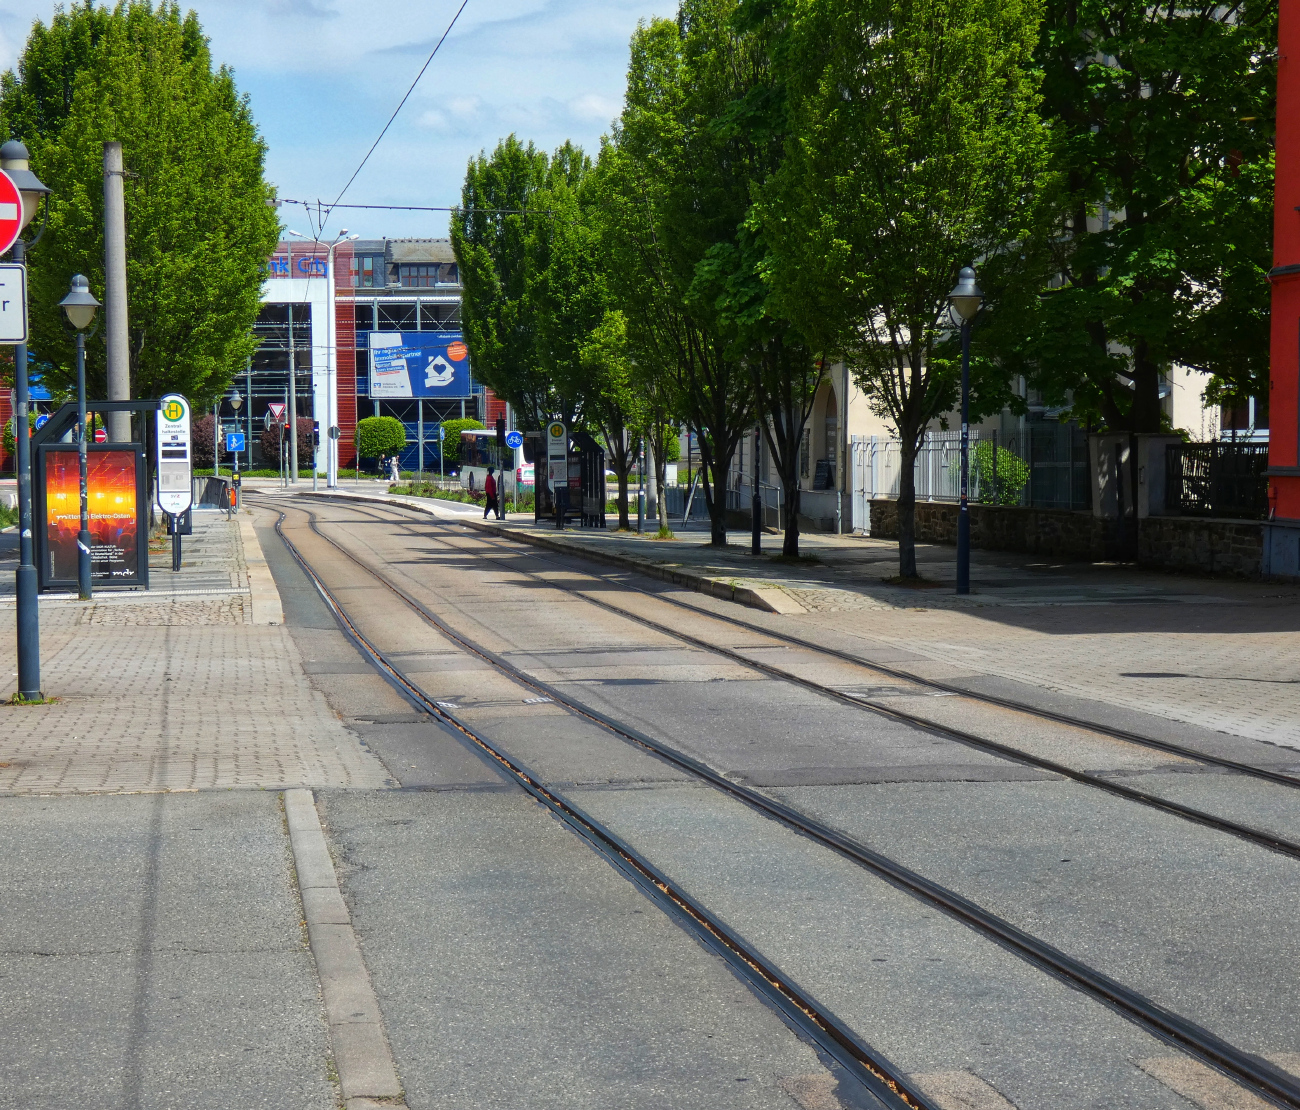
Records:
x=1059, y=471
x=676, y=497
x=875, y=468
x=1055, y=457
x=1217, y=479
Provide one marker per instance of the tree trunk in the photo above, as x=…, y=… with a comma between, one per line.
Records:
x=1145, y=413
x=907, y=506
x=624, y=523
x=661, y=476
x=790, y=491
x=718, y=521
x=651, y=487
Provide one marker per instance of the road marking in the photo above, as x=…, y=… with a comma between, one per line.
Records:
x=361, y=1053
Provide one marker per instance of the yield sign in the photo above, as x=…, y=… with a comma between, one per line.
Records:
x=11, y=212
x=277, y=412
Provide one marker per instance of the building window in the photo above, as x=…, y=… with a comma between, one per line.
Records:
x=368, y=271
x=426, y=275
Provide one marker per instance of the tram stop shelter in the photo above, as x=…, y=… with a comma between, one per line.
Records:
x=583, y=499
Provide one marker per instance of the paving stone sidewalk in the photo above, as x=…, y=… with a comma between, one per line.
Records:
x=1218, y=653
x=175, y=688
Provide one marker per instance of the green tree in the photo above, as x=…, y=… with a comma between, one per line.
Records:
x=565, y=283
x=669, y=198
x=610, y=403
x=913, y=148
x=491, y=238
x=1163, y=119
x=451, y=430
x=199, y=224
x=378, y=435
x=730, y=50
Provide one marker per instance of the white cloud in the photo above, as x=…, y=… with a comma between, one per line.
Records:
x=594, y=107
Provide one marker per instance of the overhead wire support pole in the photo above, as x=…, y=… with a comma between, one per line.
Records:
x=293, y=405
x=115, y=292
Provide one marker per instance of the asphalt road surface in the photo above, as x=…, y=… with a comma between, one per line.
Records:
x=516, y=967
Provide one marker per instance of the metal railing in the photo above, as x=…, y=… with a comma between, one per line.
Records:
x=1217, y=479
x=875, y=471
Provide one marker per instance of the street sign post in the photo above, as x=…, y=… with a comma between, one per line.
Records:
x=277, y=411
x=234, y=443
x=175, y=476
x=11, y=211
x=514, y=440
x=13, y=303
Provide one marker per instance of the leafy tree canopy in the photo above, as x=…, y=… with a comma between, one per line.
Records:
x=199, y=226
x=1162, y=120
x=914, y=148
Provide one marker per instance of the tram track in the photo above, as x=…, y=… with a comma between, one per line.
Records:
x=880, y=1077
x=1182, y=751
x=1263, y=838
x=1244, y=1068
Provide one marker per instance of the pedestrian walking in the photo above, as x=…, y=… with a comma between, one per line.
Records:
x=490, y=490
x=392, y=470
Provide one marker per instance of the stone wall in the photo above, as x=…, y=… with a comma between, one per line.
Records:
x=1201, y=545
x=1058, y=533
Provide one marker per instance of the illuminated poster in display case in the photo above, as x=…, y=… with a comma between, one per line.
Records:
x=114, y=494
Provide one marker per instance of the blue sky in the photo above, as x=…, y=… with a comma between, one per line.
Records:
x=324, y=75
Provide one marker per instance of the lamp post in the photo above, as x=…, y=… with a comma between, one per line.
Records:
x=79, y=306
x=331, y=377
x=965, y=298
x=13, y=160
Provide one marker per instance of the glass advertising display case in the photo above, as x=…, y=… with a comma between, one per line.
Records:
x=118, y=504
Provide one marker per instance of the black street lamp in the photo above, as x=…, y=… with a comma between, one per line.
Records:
x=965, y=298
x=13, y=160
x=79, y=306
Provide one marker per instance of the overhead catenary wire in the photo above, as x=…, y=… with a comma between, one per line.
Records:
x=432, y=54
x=425, y=208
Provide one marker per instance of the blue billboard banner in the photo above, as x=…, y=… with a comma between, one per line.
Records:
x=431, y=364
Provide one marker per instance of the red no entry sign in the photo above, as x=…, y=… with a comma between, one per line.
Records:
x=11, y=212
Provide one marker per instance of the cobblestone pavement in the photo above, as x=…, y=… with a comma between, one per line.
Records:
x=173, y=690
x=1218, y=653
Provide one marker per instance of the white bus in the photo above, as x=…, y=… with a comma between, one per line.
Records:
x=478, y=451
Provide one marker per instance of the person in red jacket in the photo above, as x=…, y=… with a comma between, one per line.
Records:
x=490, y=489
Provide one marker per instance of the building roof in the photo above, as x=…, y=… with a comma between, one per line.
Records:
x=420, y=250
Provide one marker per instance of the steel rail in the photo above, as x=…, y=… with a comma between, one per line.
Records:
x=1279, y=777
x=1262, y=838
x=883, y=1079
x=1262, y=1078
x=1115, y=733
